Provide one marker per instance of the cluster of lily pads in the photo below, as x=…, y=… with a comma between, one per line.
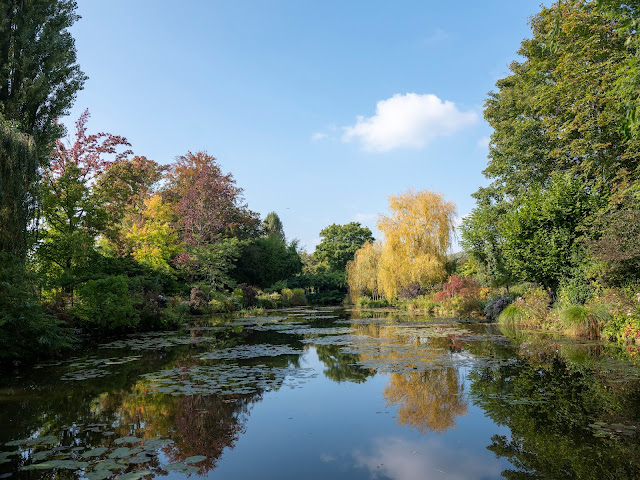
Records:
x=156, y=341
x=225, y=379
x=122, y=458
x=250, y=351
x=612, y=430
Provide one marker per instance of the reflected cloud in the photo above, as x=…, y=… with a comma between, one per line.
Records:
x=400, y=459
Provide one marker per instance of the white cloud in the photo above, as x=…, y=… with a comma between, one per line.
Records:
x=318, y=136
x=400, y=459
x=483, y=143
x=408, y=121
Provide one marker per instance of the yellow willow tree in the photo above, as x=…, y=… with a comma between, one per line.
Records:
x=362, y=271
x=417, y=237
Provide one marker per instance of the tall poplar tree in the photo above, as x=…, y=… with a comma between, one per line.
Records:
x=39, y=79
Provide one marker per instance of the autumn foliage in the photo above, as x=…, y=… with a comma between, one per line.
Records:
x=413, y=253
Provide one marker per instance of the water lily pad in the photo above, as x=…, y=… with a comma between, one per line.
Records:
x=250, y=351
x=94, y=452
x=120, y=441
x=133, y=475
x=38, y=456
x=122, y=452
x=98, y=475
x=195, y=459
x=62, y=464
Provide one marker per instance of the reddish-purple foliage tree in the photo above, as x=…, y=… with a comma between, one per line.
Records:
x=87, y=152
x=208, y=203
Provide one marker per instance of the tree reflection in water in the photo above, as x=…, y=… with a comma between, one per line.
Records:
x=198, y=424
x=429, y=400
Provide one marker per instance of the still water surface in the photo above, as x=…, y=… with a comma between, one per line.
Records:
x=318, y=394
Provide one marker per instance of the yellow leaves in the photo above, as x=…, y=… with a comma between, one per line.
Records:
x=417, y=237
x=154, y=242
x=362, y=272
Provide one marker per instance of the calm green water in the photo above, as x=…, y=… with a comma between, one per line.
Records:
x=326, y=394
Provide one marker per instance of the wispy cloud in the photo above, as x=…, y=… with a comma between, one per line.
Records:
x=408, y=121
x=316, y=137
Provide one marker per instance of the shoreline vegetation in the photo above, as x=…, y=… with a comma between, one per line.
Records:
x=96, y=240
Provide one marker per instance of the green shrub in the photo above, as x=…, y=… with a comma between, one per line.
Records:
x=459, y=306
x=270, y=300
x=576, y=291
x=26, y=331
x=331, y=297
x=294, y=297
x=624, y=327
x=106, y=305
x=368, y=302
x=422, y=303
x=530, y=310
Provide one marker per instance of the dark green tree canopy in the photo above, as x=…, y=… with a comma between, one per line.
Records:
x=566, y=106
x=565, y=136
x=267, y=260
x=272, y=225
x=39, y=76
x=18, y=173
x=340, y=243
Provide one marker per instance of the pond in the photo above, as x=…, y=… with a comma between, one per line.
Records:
x=326, y=393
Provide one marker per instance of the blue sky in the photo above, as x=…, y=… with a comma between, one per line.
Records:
x=320, y=110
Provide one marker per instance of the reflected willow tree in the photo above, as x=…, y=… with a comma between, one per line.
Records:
x=565, y=420
x=429, y=400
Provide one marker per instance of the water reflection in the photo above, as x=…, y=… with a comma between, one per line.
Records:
x=429, y=400
x=462, y=400
x=340, y=366
x=400, y=459
x=565, y=420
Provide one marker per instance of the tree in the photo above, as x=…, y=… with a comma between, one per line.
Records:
x=541, y=232
x=339, y=244
x=616, y=244
x=207, y=202
x=417, y=237
x=39, y=77
x=272, y=225
x=18, y=176
x=561, y=108
x=564, y=116
x=73, y=214
x=267, y=260
x=154, y=242
x=124, y=188
x=362, y=271
x=482, y=240
x=25, y=329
